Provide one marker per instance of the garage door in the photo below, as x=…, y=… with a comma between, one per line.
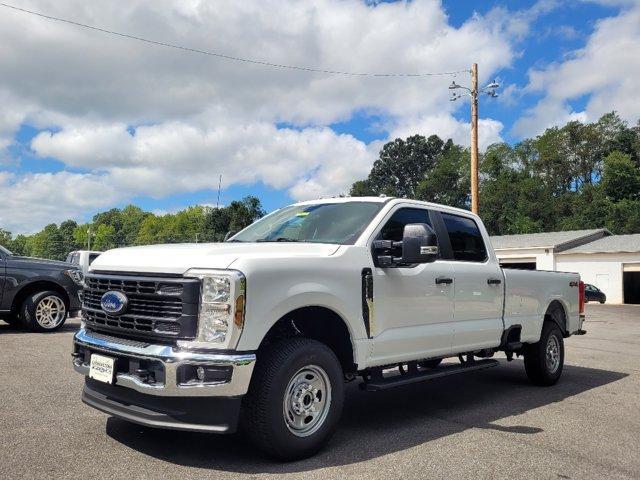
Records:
x=520, y=263
x=631, y=286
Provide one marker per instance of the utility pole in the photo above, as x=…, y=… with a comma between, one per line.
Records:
x=474, y=138
x=473, y=93
x=89, y=238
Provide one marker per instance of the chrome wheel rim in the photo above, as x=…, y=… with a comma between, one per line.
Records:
x=50, y=312
x=307, y=401
x=553, y=354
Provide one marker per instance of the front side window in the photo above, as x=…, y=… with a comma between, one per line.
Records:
x=394, y=228
x=466, y=240
x=338, y=223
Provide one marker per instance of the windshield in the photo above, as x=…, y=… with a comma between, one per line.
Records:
x=5, y=251
x=340, y=223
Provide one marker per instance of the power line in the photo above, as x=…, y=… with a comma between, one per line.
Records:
x=225, y=56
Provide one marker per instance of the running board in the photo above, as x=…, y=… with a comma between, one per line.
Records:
x=424, y=375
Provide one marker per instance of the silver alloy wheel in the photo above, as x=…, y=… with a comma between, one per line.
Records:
x=307, y=401
x=553, y=354
x=50, y=312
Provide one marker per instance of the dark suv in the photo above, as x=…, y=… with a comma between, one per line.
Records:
x=37, y=294
x=593, y=294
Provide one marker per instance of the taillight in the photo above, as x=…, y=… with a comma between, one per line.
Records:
x=581, y=295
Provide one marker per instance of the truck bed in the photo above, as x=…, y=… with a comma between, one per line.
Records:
x=529, y=292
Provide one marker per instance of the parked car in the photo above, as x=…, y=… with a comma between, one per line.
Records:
x=262, y=331
x=83, y=258
x=37, y=294
x=593, y=294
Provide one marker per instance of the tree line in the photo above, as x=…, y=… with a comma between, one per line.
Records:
x=580, y=175
x=133, y=226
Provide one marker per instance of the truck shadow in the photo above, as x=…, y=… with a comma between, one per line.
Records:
x=379, y=423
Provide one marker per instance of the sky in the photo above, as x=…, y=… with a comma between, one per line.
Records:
x=91, y=121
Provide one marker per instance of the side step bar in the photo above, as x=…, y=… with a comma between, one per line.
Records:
x=424, y=375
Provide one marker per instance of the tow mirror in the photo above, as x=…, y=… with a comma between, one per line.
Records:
x=419, y=245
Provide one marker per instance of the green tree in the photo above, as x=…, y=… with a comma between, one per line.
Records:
x=448, y=181
x=402, y=166
x=621, y=177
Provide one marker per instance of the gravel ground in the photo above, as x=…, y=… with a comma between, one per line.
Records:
x=489, y=424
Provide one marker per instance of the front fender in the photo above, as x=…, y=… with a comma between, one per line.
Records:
x=299, y=296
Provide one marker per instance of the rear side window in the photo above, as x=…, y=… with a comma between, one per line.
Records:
x=394, y=228
x=466, y=239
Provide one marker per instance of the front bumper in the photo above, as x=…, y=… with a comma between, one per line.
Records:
x=135, y=359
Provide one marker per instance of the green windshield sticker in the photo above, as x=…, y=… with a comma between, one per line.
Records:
x=302, y=214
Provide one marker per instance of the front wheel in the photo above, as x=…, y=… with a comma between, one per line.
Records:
x=543, y=361
x=44, y=311
x=295, y=399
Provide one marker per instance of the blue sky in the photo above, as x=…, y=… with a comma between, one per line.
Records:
x=92, y=122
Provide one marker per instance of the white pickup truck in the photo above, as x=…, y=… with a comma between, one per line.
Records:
x=262, y=332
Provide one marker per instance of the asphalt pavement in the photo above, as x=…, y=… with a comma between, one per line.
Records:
x=487, y=424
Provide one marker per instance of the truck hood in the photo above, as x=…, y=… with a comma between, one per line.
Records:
x=178, y=258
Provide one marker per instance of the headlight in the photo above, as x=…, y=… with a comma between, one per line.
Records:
x=75, y=275
x=222, y=300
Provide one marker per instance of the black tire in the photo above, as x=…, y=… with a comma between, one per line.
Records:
x=539, y=370
x=30, y=319
x=601, y=302
x=433, y=363
x=263, y=417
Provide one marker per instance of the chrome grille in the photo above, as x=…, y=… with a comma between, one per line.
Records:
x=158, y=307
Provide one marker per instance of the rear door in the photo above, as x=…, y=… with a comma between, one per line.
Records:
x=413, y=304
x=479, y=284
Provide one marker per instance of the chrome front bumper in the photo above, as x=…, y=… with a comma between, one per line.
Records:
x=171, y=359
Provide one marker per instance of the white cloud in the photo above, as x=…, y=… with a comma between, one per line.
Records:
x=33, y=200
x=445, y=126
x=604, y=71
x=140, y=119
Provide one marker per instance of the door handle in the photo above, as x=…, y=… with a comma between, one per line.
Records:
x=494, y=281
x=446, y=280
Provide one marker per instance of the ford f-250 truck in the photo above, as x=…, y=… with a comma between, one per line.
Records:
x=262, y=331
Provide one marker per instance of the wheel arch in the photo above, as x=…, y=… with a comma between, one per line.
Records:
x=34, y=287
x=320, y=323
x=557, y=312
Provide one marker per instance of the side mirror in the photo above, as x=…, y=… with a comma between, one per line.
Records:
x=228, y=235
x=419, y=244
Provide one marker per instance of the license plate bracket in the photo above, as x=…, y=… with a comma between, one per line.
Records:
x=102, y=368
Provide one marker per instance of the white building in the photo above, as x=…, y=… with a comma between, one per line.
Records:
x=610, y=262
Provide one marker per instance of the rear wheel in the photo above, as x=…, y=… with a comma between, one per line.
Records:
x=295, y=399
x=543, y=361
x=44, y=311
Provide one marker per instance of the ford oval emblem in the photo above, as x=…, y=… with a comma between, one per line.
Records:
x=114, y=303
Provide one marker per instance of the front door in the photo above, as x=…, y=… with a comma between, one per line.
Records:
x=413, y=306
x=479, y=287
